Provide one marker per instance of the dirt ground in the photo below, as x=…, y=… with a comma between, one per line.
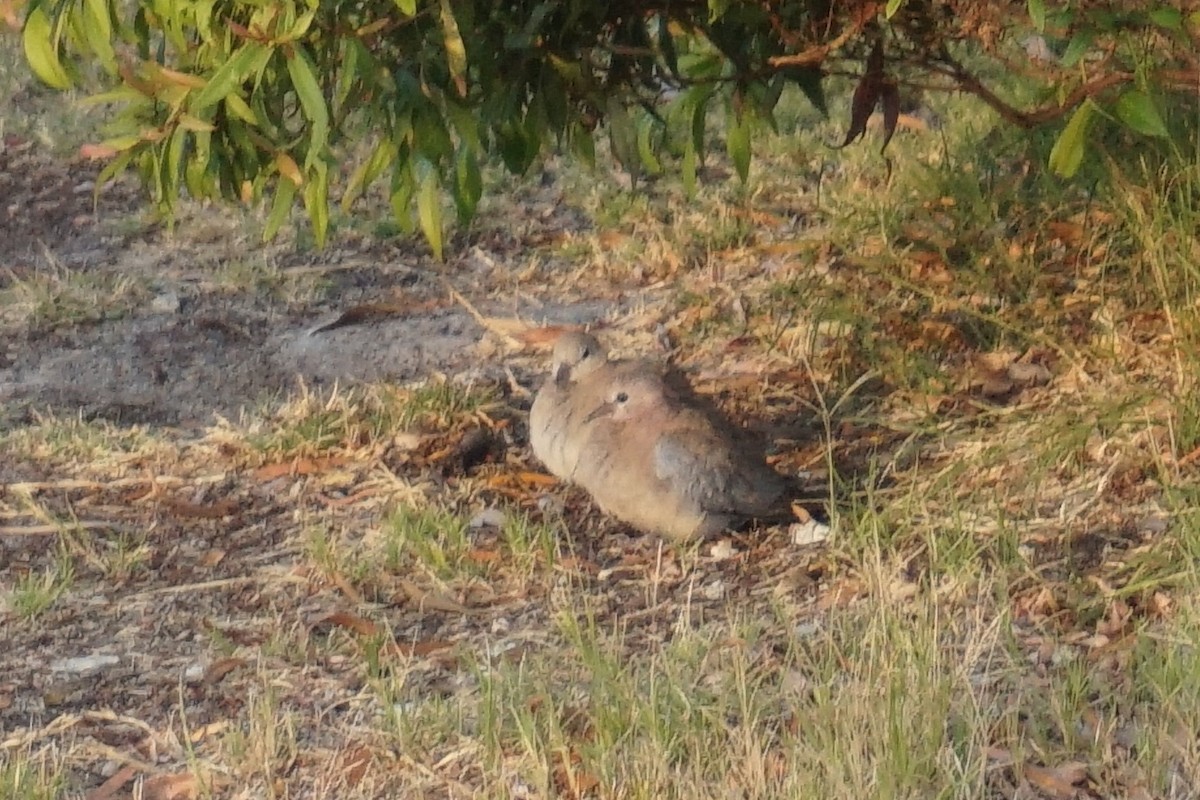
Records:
x=182, y=348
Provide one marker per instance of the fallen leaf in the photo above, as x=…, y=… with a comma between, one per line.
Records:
x=430, y=600
x=480, y=556
x=183, y=508
x=217, y=670
x=110, y=787
x=355, y=762
x=370, y=312
x=569, y=778
x=352, y=622
x=299, y=466
x=181, y=786
x=1058, y=782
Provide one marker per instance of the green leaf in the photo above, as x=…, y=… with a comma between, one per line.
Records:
x=173, y=167
x=645, y=145
x=235, y=105
x=689, y=167
x=456, y=51
x=429, y=207
x=892, y=7
x=1037, y=13
x=41, y=50
x=308, y=89
x=1067, y=153
x=1077, y=48
x=227, y=79
x=403, y=188
x=285, y=195
x=366, y=172
x=622, y=135
x=737, y=140
x=98, y=31
x=1169, y=18
x=468, y=184
x=583, y=146
x=111, y=169
x=316, y=200
x=407, y=7
x=1137, y=110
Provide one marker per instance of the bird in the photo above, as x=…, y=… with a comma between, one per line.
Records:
x=576, y=356
x=580, y=369
x=655, y=460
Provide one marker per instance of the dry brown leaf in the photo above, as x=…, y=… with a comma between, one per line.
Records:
x=569, y=778
x=479, y=555
x=181, y=786
x=421, y=649
x=355, y=761
x=183, y=508
x=208, y=731
x=1070, y=233
x=217, y=670
x=577, y=564
x=430, y=600
x=352, y=622
x=841, y=594
x=340, y=581
x=299, y=466
x=1058, y=782
x=212, y=558
x=114, y=784
x=371, y=312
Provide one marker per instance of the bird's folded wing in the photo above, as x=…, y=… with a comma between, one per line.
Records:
x=696, y=464
x=709, y=470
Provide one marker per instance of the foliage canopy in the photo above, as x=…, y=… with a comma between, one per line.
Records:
x=246, y=98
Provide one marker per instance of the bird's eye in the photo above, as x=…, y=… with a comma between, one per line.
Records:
x=622, y=397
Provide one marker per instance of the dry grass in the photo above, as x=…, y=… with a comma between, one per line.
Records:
x=992, y=374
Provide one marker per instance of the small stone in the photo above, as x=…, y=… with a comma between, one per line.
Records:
x=722, y=550
x=488, y=518
x=548, y=504
x=166, y=302
x=714, y=590
x=805, y=533
x=84, y=664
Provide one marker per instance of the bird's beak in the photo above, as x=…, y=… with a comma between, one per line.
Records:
x=602, y=410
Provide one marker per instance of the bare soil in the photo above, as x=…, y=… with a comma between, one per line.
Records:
x=188, y=348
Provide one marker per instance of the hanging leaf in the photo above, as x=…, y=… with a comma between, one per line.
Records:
x=285, y=195
x=41, y=50
x=645, y=145
x=891, y=111
x=227, y=78
x=429, y=207
x=866, y=95
x=737, y=139
x=308, y=89
x=456, y=51
x=468, y=184
x=622, y=136
x=1137, y=110
x=1067, y=153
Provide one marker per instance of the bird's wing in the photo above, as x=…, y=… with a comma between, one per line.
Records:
x=707, y=468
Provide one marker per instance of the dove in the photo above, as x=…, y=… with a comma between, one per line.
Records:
x=652, y=458
x=576, y=356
